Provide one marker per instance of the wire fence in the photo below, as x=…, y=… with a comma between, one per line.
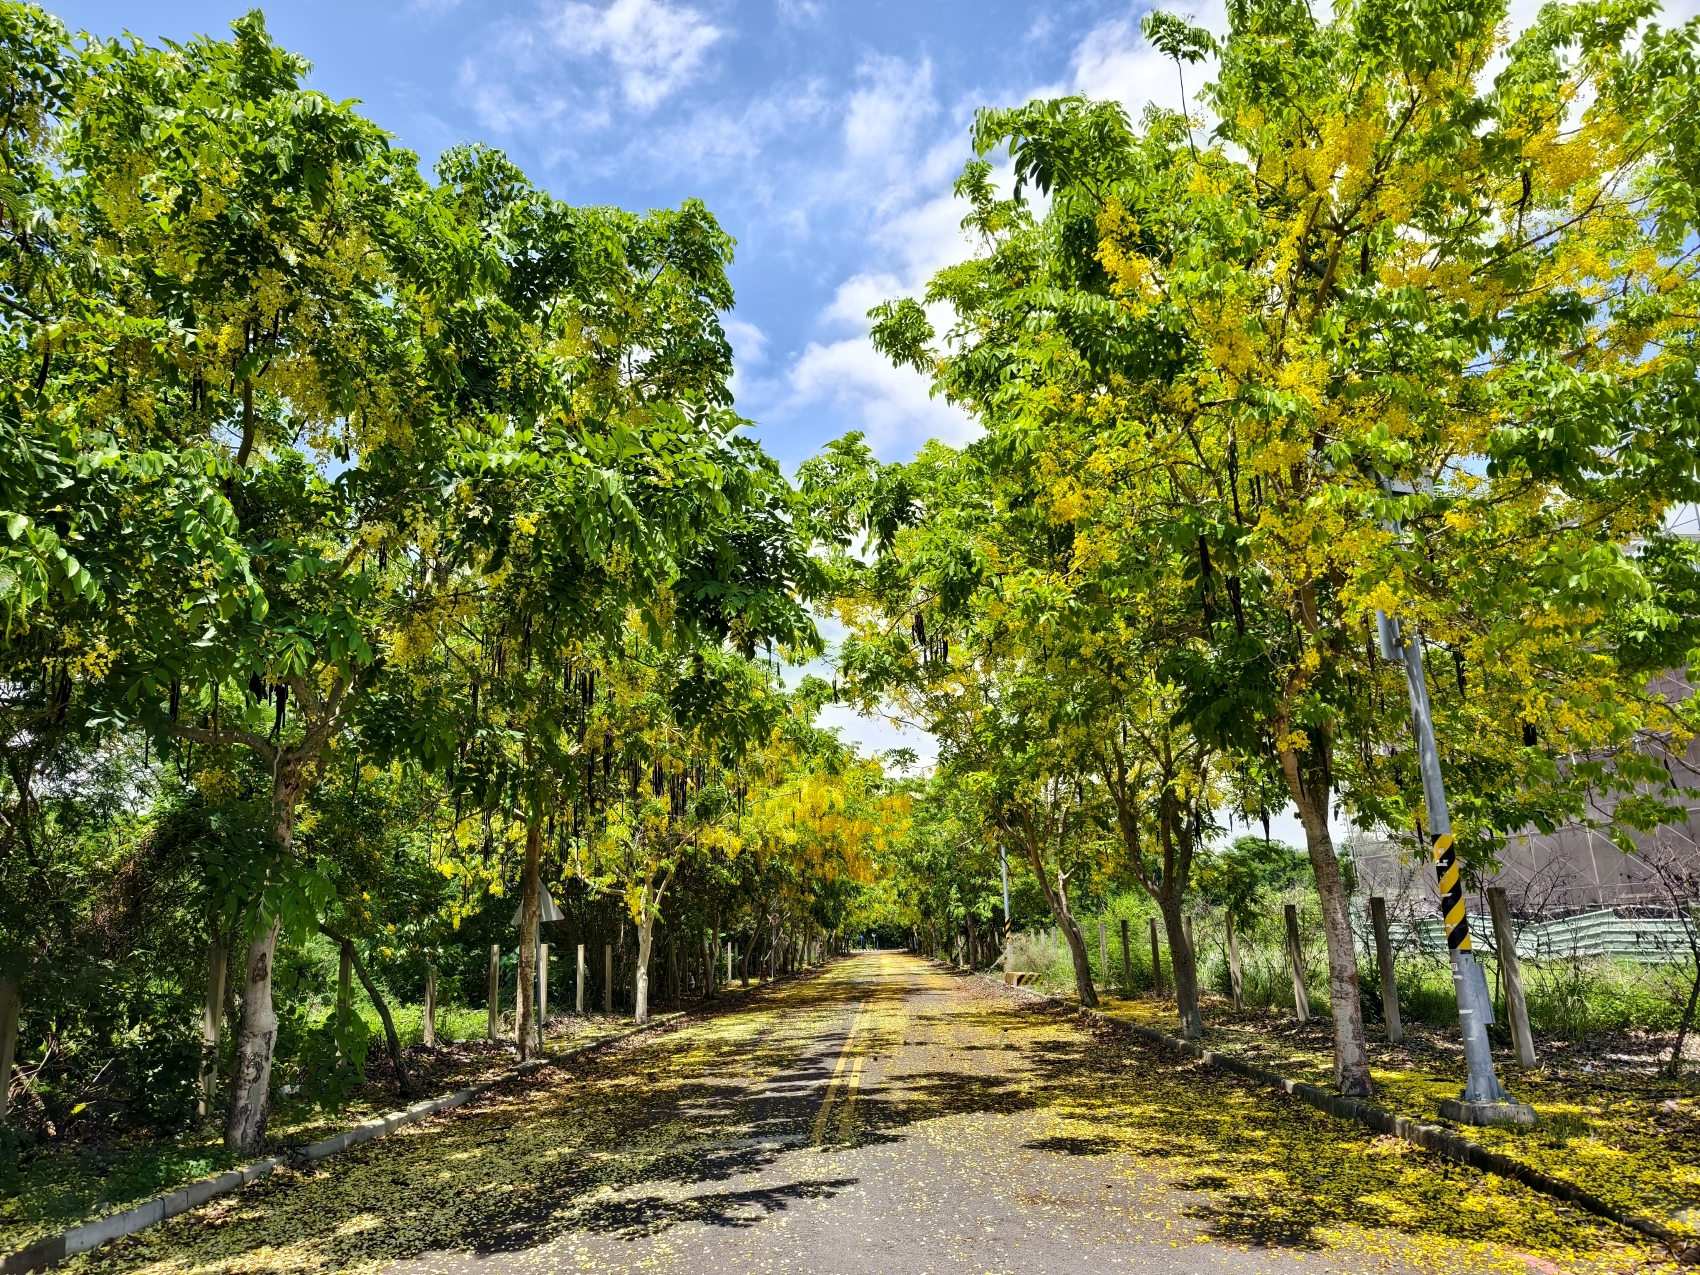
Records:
x=1657, y=940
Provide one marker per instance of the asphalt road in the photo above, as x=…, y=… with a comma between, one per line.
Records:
x=889, y=1116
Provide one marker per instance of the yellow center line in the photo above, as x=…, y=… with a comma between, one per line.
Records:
x=850, y=1088
x=837, y=1072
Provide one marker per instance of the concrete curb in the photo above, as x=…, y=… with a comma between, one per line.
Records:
x=79, y=1239
x=1430, y=1137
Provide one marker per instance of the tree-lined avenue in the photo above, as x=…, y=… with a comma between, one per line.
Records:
x=888, y=1115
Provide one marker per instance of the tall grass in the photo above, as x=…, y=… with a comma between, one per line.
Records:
x=1570, y=998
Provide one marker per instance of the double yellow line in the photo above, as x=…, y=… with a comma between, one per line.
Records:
x=848, y=1084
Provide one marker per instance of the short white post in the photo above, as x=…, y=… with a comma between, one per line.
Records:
x=428, y=1026
x=542, y=984
x=212, y=1029
x=578, y=1007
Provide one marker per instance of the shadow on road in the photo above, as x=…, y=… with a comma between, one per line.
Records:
x=669, y=1130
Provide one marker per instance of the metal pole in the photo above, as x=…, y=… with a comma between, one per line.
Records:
x=1483, y=1100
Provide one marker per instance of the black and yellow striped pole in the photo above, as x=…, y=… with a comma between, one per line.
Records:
x=1483, y=1100
x=1451, y=893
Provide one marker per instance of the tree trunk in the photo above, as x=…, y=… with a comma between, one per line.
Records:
x=256, y=1034
x=1057, y=897
x=1351, y=1050
x=344, y=989
x=525, y=1020
x=256, y=1030
x=11, y=1005
x=393, y=1041
x=640, y=998
x=1673, y=1069
x=1184, y=964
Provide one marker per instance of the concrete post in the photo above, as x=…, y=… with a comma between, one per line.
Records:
x=428, y=1023
x=495, y=1024
x=1235, y=977
x=1384, y=961
x=1505, y=939
x=607, y=978
x=212, y=1028
x=578, y=1004
x=542, y=984
x=1296, y=965
x=1127, y=962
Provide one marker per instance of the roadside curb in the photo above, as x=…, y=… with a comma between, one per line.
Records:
x=1442, y=1142
x=53, y=1249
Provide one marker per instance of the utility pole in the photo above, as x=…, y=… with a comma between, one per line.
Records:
x=1483, y=1101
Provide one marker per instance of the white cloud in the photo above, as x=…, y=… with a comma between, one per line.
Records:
x=881, y=734
x=640, y=52
x=1114, y=60
x=749, y=352
x=886, y=113
x=890, y=404
x=749, y=342
x=714, y=139
x=856, y=296
x=898, y=158
x=655, y=47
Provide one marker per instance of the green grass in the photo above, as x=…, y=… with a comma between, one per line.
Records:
x=1571, y=998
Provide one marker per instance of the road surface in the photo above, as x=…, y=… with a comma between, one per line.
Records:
x=887, y=1115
